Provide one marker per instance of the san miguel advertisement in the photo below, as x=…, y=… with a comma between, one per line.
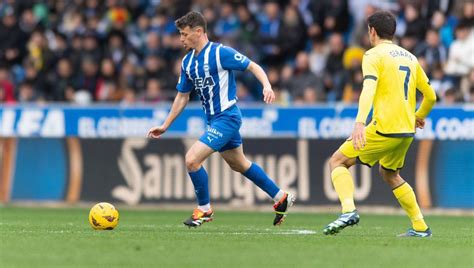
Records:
x=142, y=171
x=139, y=171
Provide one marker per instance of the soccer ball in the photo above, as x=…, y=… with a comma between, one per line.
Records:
x=103, y=216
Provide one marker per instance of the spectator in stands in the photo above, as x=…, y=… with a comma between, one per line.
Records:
x=117, y=48
x=40, y=37
x=309, y=96
x=292, y=33
x=153, y=92
x=302, y=79
x=129, y=97
x=248, y=28
x=153, y=45
x=90, y=47
x=461, y=59
x=439, y=81
x=59, y=47
x=334, y=78
x=107, y=88
x=330, y=16
x=87, y=78
x=451, y=96
x=445, y=26
x=38, y=52
x=127, y=75
x=62, y=81
x=12, y=47
x=137, y=33
x=415, y=25
x=431, y=50
x=26, y=93
x=268, y=34
x=467, y=87
x=409, y=42
x=353, y=87
x=42, y=91
x=6, y=86
x=227, y=26
x=162, y=24
x=318, y=56
x=467, y=17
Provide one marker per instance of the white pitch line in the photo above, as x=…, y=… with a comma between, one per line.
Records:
x=288, y=232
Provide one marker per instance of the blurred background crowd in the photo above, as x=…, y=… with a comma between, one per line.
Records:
x=129, y=52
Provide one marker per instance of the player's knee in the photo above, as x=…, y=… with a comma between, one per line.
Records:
x=192, y=164
x=335, y=161
x=239, y=166
x=390, y=177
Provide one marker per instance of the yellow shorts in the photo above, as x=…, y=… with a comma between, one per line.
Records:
x=388, y=151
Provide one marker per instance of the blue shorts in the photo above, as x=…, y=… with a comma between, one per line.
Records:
x=222, y=131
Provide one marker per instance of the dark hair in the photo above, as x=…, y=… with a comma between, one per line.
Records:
x=191, y=19
x=384, y=24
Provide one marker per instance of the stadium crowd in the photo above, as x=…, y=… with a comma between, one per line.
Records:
x=129, y=52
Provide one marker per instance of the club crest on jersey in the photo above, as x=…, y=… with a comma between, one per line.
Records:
x=203, y=82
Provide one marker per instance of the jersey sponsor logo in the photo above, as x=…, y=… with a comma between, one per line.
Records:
x=214, y=131
x=203, y=82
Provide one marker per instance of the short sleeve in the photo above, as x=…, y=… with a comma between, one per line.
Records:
x=370, y=68
x=184, y=85
x=232, y=59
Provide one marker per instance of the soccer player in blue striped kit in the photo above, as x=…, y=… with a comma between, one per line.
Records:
x=208, y=68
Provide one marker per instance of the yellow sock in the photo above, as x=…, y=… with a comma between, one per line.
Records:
x=342, y=181
x=406, y=197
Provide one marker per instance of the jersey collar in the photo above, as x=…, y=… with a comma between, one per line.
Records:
x=203, y=49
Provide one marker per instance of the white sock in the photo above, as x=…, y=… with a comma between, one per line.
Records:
x=278, y=196
x=205, y=207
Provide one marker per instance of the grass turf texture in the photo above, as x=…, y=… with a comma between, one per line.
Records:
x=34, y=237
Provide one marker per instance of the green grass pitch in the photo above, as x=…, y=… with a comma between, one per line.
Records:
x=40, y=237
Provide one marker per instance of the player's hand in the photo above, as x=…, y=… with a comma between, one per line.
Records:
x=420, y=123
x=268, y=95
x=358, y=136
x=156, y=132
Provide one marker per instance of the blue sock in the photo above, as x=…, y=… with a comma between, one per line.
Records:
x=260, y=178
x=200, y=182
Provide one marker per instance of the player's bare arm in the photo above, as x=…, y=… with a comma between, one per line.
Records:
x=268, y=94
x=180, y=101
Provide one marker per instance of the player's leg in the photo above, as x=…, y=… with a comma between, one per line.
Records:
x=342, y=179
x=194, y=159
x=238, y=162
x=389, y=169
x=339, y=163
x=344, y=186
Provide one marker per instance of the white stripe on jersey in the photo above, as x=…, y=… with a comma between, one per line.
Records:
x=188, y=71
x=223, y=82
x=206, y=70
x=197, y=76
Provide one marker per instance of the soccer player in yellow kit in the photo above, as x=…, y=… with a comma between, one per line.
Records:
x=391, y=77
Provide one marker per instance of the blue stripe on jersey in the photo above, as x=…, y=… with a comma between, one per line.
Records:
x=215, y=77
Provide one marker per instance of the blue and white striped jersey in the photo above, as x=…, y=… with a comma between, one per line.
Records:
x=211, y=74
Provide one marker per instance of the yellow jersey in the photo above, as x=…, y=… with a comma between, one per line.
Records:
x=391, y=77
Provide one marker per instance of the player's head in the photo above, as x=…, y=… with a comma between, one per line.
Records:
x=192, y=28
x=382, y=25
